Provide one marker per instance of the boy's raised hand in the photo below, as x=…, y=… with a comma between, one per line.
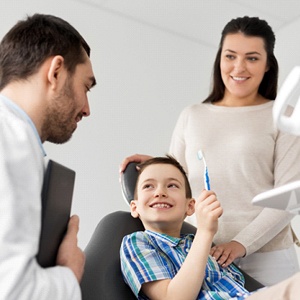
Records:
x=208, y=209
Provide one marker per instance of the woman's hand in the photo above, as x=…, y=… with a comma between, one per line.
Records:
x=139, y=158
x=226, y=253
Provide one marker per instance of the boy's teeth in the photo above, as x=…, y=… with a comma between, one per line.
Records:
x=161, y=205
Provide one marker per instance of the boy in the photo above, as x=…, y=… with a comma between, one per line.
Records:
x=161, y=263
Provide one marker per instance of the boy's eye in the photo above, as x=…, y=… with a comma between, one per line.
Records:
x=147, y=186
x=173, y=185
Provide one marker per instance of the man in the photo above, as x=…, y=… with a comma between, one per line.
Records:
x=45, y=74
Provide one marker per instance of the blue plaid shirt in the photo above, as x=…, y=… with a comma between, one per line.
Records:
x=148, y=256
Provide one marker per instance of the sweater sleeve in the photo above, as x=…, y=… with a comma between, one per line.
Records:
x=272, y=223
x=177, y=146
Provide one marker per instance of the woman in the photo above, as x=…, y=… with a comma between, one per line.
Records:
x=244, y=152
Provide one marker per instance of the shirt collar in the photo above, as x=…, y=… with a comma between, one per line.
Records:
x=22, y=113
x=172, y=241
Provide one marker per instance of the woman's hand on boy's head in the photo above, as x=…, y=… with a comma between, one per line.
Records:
x=208, y=210
x=138, y=158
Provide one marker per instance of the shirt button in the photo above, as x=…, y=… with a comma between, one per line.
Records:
x=187, y=250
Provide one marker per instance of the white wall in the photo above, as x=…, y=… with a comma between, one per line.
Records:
x=145, y=77
x=288, y=55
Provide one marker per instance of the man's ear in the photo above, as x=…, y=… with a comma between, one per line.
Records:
x=55, y=70
x=191, y=207
x=133, y=209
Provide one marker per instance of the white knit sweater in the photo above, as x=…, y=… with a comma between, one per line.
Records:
x=245, y=155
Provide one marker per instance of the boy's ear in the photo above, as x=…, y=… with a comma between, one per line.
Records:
x=133, y=209
x=191, y=207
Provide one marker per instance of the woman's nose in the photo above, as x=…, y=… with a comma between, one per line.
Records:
x=239, y=65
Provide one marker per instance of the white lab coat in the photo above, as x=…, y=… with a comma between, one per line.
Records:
x=21, y=177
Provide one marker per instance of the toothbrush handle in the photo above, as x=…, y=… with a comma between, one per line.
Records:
x=206, y=180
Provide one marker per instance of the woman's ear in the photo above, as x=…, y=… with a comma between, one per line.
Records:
x=267, y=68
x=133, y=209
x=191, y=207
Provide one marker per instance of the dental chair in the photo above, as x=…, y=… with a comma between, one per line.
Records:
x=102, y=279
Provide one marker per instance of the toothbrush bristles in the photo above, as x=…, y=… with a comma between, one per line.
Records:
x=201, y=157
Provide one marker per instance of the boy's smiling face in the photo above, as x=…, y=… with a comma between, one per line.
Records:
x=162, y=204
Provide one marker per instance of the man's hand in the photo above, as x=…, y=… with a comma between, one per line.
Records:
x=69, y=254
x=225, y=254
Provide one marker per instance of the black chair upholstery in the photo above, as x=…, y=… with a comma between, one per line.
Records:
x=102, y=278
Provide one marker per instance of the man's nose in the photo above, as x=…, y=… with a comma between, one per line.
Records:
x=86, y=109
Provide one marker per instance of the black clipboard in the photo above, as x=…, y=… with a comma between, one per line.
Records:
x=57, y=194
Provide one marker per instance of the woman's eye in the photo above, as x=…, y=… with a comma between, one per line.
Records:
x=229, y=56
x=252, y=58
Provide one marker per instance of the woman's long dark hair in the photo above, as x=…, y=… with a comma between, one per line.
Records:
x=249, y=26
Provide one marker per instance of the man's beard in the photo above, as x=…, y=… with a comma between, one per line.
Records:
x=60, y=120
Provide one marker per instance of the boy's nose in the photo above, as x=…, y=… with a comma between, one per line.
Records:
x=160, y=192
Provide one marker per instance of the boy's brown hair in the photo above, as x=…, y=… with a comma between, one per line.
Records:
x=167, y=160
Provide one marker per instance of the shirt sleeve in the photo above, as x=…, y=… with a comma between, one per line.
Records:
x=140, y=262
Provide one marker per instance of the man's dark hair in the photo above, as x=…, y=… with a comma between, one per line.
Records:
x=30, y=42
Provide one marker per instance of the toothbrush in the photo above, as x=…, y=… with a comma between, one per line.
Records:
x=206, y=177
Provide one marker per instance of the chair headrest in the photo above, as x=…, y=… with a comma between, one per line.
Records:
x=128, y=181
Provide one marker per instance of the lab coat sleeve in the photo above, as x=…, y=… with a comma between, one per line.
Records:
x=21, y=178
